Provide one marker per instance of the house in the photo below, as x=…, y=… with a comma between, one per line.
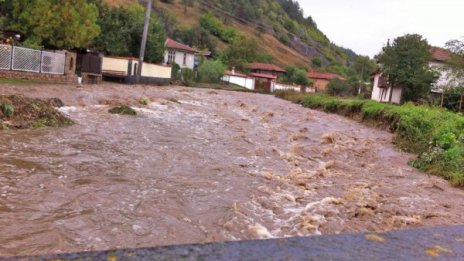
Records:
x=382, y=91
x=266, y=69
x=124, y=69
x=322, y=79
x=179, y=53
x=239, y=79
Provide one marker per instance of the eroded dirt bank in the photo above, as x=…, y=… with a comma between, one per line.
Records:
x=197, y=165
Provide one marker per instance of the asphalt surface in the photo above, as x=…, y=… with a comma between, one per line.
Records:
x=443, y=243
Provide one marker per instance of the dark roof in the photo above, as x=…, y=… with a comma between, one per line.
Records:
x=265, y=67
x=439, y=54
x=264, y=76
x=171, y=44
x=324, y=76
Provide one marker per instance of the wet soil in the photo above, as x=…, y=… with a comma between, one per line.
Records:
x=196, y=166
x=19, y=112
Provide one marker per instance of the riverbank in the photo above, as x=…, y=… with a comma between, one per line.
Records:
x=19, y=112
x=435, y=135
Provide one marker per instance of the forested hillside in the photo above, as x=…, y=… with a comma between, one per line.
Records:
x=284, y=34
x=236, y=31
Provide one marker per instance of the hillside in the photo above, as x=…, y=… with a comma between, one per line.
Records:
x=277, y=25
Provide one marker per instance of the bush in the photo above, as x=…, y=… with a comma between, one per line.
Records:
x=123, y=110
x=7, y=110
x=175, y=72
x=211, y=71
x=337, y=87
x=217, y=28
x=435, y=135
x=188, y=76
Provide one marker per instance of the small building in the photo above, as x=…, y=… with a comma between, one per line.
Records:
x=322, y=79
x=264, y=82
x=266, y=69
x=382, y=91
x=179, y=53
x=239, y=79
x=124, y=69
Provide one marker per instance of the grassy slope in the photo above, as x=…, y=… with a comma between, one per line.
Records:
x=435, y=135
x=283, y=54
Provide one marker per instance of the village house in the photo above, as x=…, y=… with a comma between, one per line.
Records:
x=382, y=91
x=266, y=69
x=322, y=79
x=179, y=53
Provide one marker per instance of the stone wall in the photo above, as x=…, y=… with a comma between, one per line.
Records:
x=39, y=77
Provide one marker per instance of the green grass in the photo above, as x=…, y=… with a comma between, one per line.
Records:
x=435, y=135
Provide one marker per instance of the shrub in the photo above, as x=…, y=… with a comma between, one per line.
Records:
x=211, y=71
x=337, y=87
x=175, y=72
x=7, y=109
x=188, y=76
x=123, y=110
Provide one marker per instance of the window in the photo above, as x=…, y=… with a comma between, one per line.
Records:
x=185, y=59
x=172, y=57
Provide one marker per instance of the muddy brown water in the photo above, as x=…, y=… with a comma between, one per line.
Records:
x=198, y=166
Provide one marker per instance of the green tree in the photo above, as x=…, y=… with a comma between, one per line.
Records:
x=122, y=29
x=211, y=71
x=243, y=51
x=406, y=64
x=338, y=87
x=295, y=75
x=62, y=24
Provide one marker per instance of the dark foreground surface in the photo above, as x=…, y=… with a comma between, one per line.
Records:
x=445, y=243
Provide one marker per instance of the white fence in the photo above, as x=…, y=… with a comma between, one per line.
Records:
x=30, y=60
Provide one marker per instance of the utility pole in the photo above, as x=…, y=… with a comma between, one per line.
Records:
x=143, y=44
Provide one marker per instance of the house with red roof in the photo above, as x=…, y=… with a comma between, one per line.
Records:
x=322, y=79
x=382, y=91
x=266, y=69
x=179, y=53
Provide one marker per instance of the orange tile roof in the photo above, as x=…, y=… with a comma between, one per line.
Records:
x=265, y=67
x=439, y=54
x=324, y=76
x=171, y=44
x=265, y=76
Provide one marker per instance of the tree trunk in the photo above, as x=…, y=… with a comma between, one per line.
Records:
x=442, y=98
x=460, y=102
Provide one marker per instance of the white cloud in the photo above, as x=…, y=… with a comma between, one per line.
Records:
x=366, y=25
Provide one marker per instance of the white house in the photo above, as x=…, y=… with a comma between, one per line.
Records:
x=179, y=53
x=383, y=92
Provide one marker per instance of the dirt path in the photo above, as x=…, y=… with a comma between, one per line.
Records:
x=199, y=165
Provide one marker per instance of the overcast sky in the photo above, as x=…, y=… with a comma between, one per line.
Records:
x=366, y=25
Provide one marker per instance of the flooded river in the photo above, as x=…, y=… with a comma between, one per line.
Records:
x=196, y=166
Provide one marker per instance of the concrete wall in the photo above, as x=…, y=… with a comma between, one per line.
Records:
x=179, y=59
x=112, y=65
x=39, y=77
x=286, y=87
x=157, y=71
x=246, y=82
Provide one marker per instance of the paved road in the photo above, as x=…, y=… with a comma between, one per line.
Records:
x=444, y=243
